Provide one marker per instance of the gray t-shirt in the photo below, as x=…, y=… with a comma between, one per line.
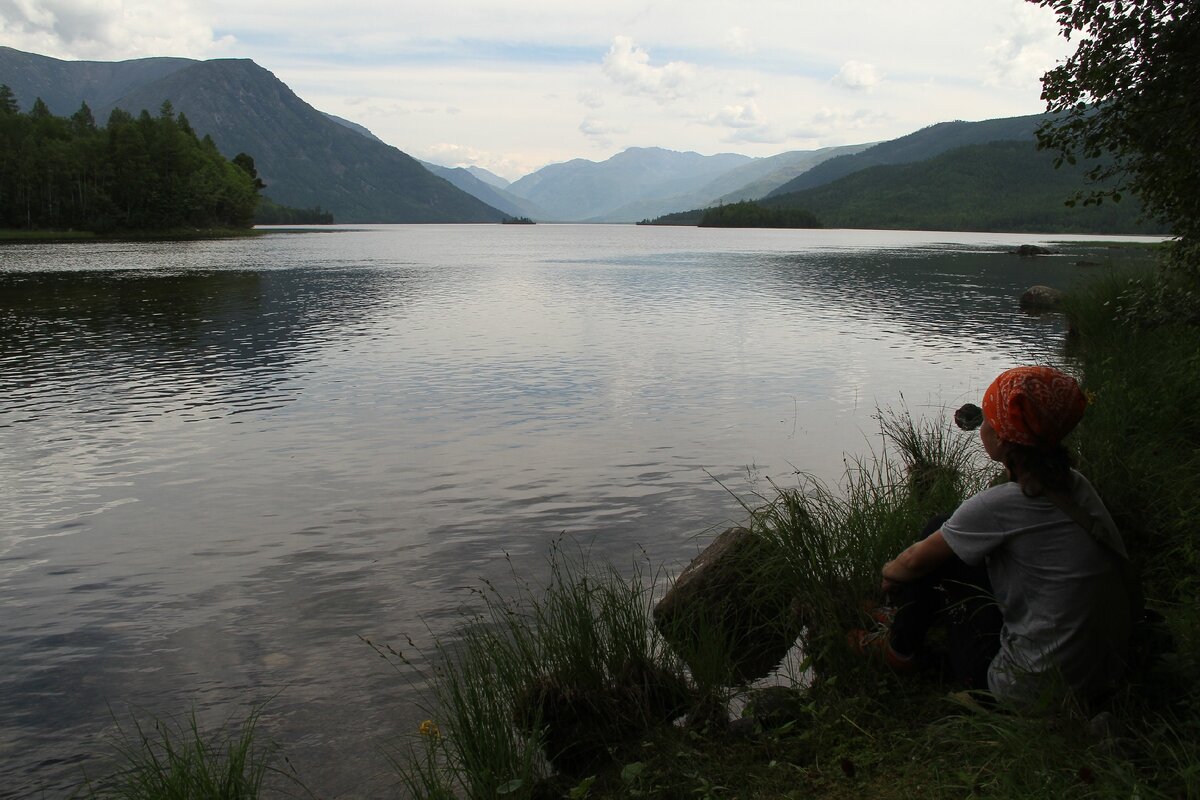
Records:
x=1061, y=592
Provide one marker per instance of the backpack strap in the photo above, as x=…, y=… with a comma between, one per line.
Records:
x=1129, y=576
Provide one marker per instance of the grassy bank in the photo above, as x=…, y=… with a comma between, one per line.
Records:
x=565, y=688
x=844, y=726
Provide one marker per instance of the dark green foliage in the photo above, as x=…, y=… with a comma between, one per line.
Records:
x=143, y=174
x=1000, y=186
x=245, y=162
x=749, y=214
x=692, y=217
x=1130, y=92
x=271, y=213
x=917, y=146
x=8, y=101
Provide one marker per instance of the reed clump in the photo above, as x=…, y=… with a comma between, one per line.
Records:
x=163, y=759
x=541, y=686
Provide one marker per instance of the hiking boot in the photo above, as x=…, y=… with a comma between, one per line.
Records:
x=877, y=644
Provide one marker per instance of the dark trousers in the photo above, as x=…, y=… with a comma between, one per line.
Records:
x=957, y=597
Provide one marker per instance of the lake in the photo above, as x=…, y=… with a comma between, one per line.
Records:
x=223, y=462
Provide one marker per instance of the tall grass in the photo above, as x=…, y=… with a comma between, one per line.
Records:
x=1139, y=441
x=541, y=685
x=834, y=540
x=176, y=760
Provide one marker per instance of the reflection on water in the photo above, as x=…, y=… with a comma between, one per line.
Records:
x=222, y=462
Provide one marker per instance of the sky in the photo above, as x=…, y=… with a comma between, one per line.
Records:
x=513, y=86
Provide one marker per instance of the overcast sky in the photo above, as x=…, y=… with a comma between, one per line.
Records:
x=512, y=86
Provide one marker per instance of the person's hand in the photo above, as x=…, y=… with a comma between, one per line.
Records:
x=887, y=585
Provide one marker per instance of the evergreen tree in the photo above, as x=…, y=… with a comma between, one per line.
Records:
x=83, y=119
x=149, y=173
x=8, y=101
x=40, y=110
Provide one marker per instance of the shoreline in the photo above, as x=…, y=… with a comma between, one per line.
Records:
x=16, y=236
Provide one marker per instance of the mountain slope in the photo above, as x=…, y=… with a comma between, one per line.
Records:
x=63, y=85
x=762, y=176
x=492, y=195
x=306, y=158
x=748, y=181
x=999, y=186
x=918, y=146
x=583, y=190
x=490, y=178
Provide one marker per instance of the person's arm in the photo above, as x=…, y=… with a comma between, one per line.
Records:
x=916, y=562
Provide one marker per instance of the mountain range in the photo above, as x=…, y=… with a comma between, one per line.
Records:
x=945, y=172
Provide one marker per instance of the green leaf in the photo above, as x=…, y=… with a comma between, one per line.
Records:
x=631, y=772
x=581, y=789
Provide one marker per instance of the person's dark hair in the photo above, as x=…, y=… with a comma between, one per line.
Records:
x=1038, y=469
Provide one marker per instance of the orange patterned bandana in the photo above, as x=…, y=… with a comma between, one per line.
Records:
x=1035, y=406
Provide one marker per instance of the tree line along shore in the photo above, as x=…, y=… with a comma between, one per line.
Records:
x=65, y=178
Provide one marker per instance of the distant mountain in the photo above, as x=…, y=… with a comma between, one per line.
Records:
x=305, y=158
x=490, y=178
x=582, y=190
x=748, y=181
x=998, y=186
x=494, y=196
x=762, y=176
x=923, y=144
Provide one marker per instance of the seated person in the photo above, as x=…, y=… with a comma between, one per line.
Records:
x=1043, y=544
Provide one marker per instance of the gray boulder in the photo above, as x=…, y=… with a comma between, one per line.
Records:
x=1041, y=298
x=732, y=614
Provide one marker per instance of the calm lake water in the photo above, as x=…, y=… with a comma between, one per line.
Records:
x=223, y=462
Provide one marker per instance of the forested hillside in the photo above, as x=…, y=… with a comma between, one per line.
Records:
x=306, y=158
x=133, y=174
x=917, y=146
x=1001, y=186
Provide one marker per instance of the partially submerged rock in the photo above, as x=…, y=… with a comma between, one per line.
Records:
x=583, y=718
x=1041, y=298
x=732, y=614
x=1030, y=250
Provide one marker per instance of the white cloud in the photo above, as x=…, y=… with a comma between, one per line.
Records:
x=591, y=99
x=828, y=122
x=857, y=75
x=629, y=67
x=745, y=115
x=108, y=29
x=737, y=40
x=455, y=155
x=1025, y=49
x=600, y=132
x=746, y=124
